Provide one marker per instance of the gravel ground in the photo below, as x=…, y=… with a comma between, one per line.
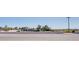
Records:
x=39, y=37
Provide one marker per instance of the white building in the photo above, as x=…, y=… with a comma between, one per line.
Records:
x=9, y=31
x=12, y=30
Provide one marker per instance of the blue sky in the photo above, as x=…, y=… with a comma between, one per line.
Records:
x=53, y=22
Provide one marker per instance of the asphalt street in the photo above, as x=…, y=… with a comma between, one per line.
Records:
x=38, y=37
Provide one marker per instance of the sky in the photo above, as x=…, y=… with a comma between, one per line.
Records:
x=53, y=22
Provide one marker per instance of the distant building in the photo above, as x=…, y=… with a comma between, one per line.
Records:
x=12, y=30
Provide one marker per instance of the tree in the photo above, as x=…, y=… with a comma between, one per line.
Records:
x=6, y=28
x=38, y=28
x=16, y=28
x=46, y=28
x=0, y=27
x=24, y=29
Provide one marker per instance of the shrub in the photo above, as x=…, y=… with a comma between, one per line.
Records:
x=73, y=31
x=67, y=31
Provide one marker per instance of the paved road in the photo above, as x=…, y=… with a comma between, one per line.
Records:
x=29, y=32
x=39, y=37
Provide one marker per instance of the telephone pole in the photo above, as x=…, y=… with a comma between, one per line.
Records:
x=68, y=19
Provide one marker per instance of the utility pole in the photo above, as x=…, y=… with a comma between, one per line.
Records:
x=68, y=19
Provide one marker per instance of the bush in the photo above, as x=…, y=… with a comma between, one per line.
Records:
x=46, y=28
x=73, y=31
x=18, y=31
x=67, y=31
